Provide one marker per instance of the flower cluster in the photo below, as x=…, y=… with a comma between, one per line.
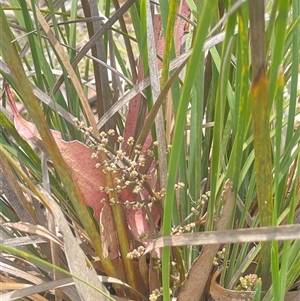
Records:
x=183, y=229
x=218, y=260
x=157, y=293
x=124, y=169
x=136, y=253
x=247, y=283
x=195, y=211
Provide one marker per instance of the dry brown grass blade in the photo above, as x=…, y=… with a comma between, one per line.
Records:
x=62, y=283
x=34, y=229
x=286, y=232
x=39, y=288
x=54, y=242
x=78, y=263
x=14, y=269
x=11, y=285
x=23, y=241
x=200, y=271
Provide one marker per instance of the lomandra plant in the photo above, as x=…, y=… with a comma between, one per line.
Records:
x=149, y=150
